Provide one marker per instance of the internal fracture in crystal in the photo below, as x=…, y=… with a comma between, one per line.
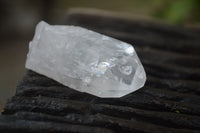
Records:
x=85, y=60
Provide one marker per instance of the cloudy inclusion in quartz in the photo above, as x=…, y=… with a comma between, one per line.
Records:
x=85, y=60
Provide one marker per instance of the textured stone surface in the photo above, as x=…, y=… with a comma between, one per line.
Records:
x=85, y=60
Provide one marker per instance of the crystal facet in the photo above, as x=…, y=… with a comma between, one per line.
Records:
x=85, y=60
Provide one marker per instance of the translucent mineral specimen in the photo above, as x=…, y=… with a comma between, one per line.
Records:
x=85, y=60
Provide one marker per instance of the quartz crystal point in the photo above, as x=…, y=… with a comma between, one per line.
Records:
x=85, y=60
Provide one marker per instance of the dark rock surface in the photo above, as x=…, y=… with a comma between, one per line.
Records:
x=168, y=103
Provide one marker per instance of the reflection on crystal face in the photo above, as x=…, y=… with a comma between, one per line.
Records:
x=127, y=70
x=124, y=72
x=85, y=60
x=129, y=50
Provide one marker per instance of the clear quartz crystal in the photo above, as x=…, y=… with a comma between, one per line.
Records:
x=85, y=60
